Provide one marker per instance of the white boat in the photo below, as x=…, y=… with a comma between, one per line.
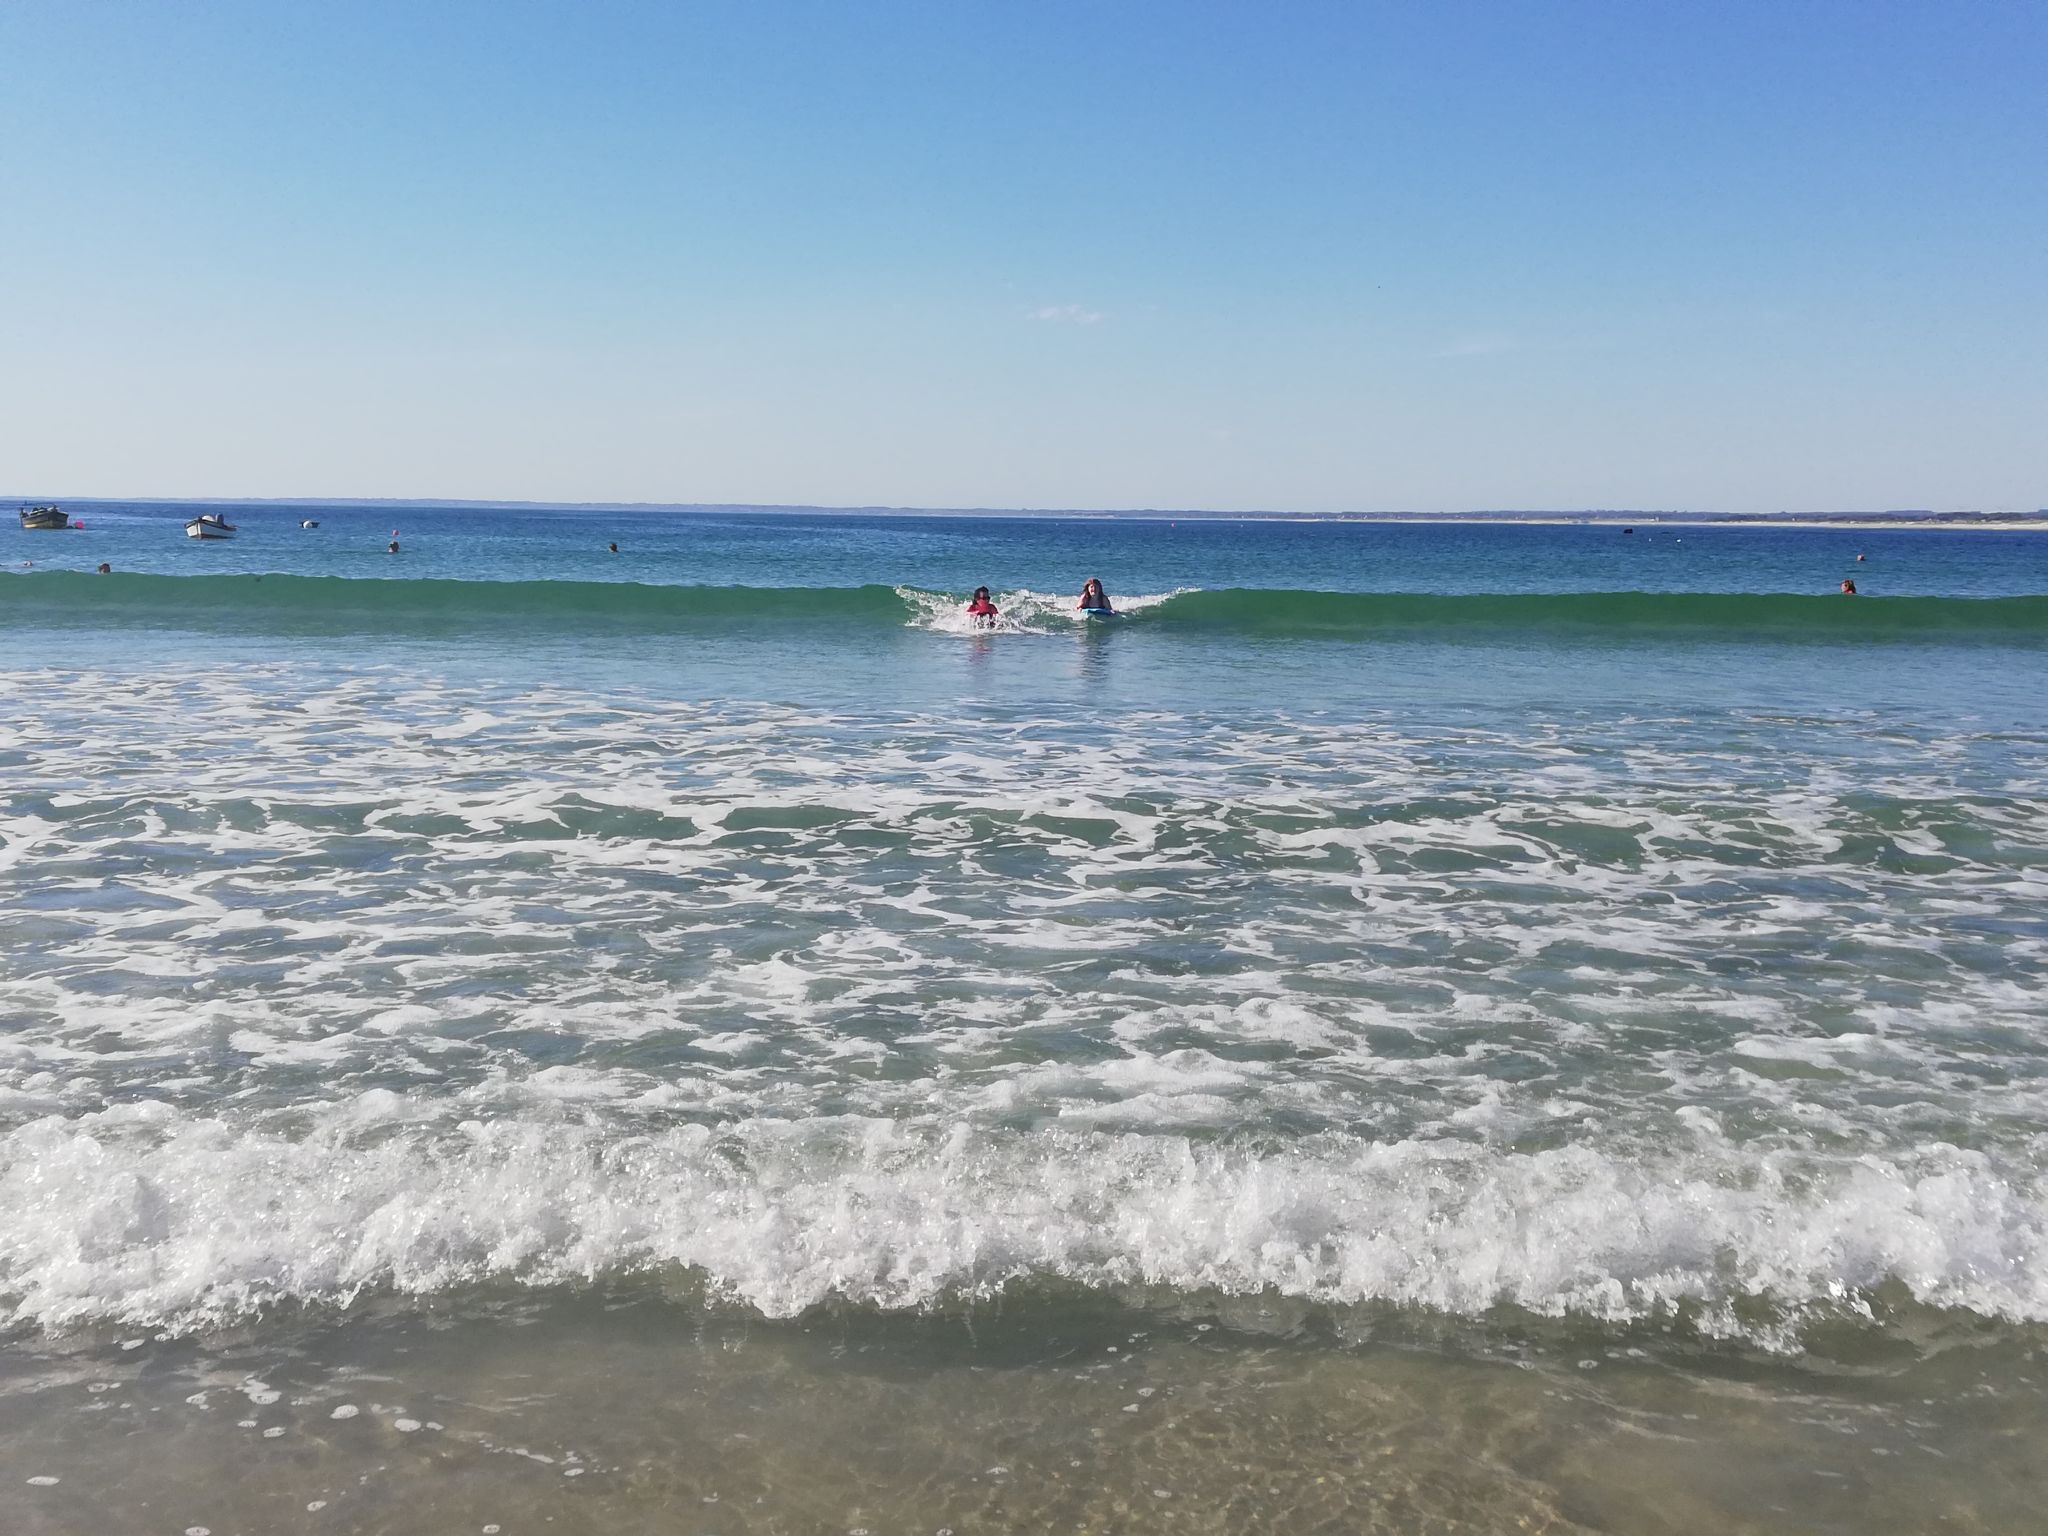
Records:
x=45, y=517
x=209, y=525
x=307, y=522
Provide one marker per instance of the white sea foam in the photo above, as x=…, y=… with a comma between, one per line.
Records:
x=323, y=984
x=196, y=1222
x=1019, y=611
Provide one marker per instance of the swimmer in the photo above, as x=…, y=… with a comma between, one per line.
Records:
x=981, y=610
x=392, y=546
x=1092, y=596
x=613, y=548
x=106, y=569
x=1859, y=559
x=1848, y=589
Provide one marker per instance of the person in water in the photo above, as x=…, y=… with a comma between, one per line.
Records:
x=981, y=610
x=393, y=546
x=1848, y=589
x=1093, y=596
x=614, y=548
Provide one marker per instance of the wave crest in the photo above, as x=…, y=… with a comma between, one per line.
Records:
x=319, y=604
x=154, y=1218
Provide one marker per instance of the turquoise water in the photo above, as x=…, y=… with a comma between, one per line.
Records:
x=1396, y=989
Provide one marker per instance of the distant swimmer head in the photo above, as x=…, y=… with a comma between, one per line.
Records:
x=106, y=569
x=614, y=548
x=392, y=546
x=1859, y=558
x=1849, y=589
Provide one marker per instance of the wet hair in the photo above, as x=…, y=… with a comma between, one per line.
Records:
x=980, y=592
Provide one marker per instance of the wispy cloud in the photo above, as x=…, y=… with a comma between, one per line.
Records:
x=1488, y=344
x=1071, y=314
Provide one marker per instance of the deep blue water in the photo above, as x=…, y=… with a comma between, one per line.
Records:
x=955, y=554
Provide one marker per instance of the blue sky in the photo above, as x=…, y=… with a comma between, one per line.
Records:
x=1285, y=256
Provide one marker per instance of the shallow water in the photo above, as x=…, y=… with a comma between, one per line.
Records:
x=633, y=1412
x=1571, y=1066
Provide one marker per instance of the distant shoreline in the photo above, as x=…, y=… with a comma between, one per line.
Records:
x=1996, y=521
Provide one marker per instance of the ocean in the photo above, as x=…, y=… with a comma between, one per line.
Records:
x=1464, y=1028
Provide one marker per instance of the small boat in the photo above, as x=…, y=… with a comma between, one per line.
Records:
x=307, y=522
x=44, y=517
x=209, y=525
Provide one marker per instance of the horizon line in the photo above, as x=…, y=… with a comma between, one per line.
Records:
x=894, y=509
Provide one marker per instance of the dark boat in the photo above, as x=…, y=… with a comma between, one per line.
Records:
x=44, y=517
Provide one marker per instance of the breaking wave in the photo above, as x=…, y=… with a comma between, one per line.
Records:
x=331, y=603
x=150, y=1216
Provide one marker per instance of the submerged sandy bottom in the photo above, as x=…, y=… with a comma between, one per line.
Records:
x=643, y=1413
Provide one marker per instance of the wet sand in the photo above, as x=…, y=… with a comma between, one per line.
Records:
x=632, y=1412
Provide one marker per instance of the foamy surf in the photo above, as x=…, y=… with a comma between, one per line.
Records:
x=1727, y=1019
x=155, y=1218
x=1019, y=611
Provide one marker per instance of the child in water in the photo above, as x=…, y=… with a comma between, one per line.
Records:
x=982, y=610
x=1092, y=596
